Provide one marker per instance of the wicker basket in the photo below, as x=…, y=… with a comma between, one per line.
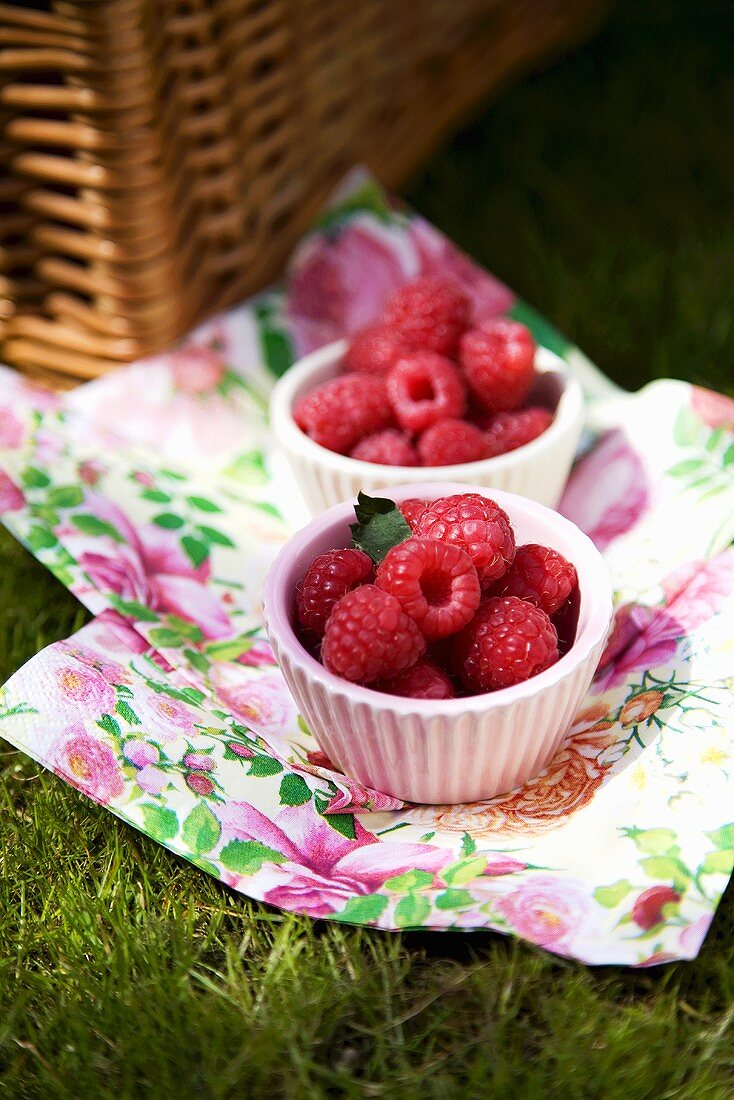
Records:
x=158, y=158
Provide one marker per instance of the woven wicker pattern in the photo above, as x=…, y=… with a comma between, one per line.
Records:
x=158, y=158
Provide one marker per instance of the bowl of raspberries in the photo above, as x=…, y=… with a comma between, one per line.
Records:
x=425, y=389
x=440, y=641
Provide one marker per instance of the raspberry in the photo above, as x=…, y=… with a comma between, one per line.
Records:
x=506, y=431
x=507, y=641
x=430, y=312
x=451, y=442
x=389, y=448
x=540, y=575
x=424, y=387
x=369, y=637
x=475, y=524
x=425, y=680
x=412, y=510
x=435, y=582
x=329, y=577
x=341, y=411
x=499, y=363
x=374, y=350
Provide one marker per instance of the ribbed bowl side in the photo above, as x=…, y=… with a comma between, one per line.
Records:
x=467, y=756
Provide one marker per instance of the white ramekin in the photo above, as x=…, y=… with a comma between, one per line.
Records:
x=454, y=750
x=538, y=470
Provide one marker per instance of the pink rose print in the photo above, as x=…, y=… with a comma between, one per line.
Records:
x=439, y=256
x=324, y=869
x=545, y=910
x=91, y=471
x=199, y=784
x=354, y=797
x=140, y=753
x=11, y=498
x=608, y=491
x=503, y=865
x=197, y=368
x=11, y=429
x=260, y=653
x=646, y=637
x=262, y=703
x=86, y=687
x=716, y=410
x=199, y=762
x=151, y=779
x=694, y=934
x=648, y=909
x=339, y=282
x=89, y=765
x=149, y=567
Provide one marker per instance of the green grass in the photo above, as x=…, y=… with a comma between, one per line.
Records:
x=602, y=190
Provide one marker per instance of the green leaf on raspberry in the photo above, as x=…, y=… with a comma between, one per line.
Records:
x=380, y=526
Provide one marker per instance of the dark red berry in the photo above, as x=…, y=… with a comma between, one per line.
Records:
x=423, y=388
x=540, y=575
x=340, y=412
x=508, y=641
x=425, y=680
x=451, y=443
x=506, y=431
x=476, y=524
x=374, y=350
x=430, y=312
x=329, y=577
x=499, y=363
x=369, y=637
x=435, y=582
x=388, y=448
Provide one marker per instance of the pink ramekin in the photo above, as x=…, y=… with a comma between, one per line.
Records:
x=454, y=750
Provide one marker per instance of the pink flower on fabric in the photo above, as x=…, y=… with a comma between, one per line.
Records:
x=199, y=762
x=197, y=368
x=545, y=910
x=323, y=869
x=89, y=765
x=152, y=779
x=263, y=703
x=608, y=491
x=260, y=653
x=149, y=567
x=439, y=256
x=140, y=753
x=11, y=429
x=86, y=687
x=11, y=498
x=647, y=637
x=694, y=934
x=503, y=865
x=339, y=281
x=716, y=410
x=354, y=797
x=90, y=471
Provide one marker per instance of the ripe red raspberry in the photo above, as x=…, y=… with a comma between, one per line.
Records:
x=451, y=442
x=389, y=448
x=425, y=680
x=507, y=641
x=540, y=575
x=341, y=411
x=374, y=350
x=506, y=431
x=499, y=363
x=369, y=637
x=412, y=510
x=648, y=909
x=329, y=577
x=430, y=312
x=477, y=525
x=424, y=387
x=435, y=582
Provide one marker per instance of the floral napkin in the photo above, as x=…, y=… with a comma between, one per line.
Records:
x=155, y=494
